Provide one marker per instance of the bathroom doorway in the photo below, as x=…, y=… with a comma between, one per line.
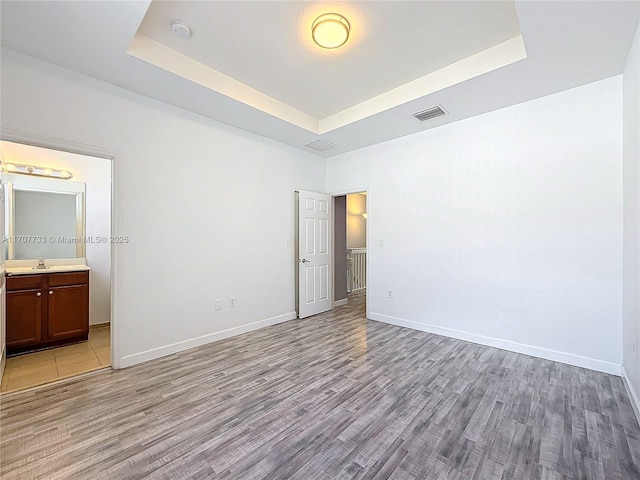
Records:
x=64, y=308
x=350, y=248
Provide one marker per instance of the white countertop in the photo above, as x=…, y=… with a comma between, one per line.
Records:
x=50, y=269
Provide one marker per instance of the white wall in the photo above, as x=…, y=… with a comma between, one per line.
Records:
x=631, y=270
x=208, y=208
x=356, y=223
x=504, y=229
x=96, y=174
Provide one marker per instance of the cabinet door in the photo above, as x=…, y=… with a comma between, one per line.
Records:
x=68, y=311
x=24, y=315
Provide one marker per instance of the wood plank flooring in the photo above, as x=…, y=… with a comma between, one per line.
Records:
x=330, y=397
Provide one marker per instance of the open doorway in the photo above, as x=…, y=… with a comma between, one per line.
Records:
x=57, y=318
x=350, y=249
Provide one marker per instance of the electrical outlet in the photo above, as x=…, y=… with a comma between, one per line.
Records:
x=232, y=302
x=217, y=303
x=380, y=243
x=390, y=294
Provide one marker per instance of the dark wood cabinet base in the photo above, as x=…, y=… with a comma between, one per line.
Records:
x=13, y=351
x=46, y=310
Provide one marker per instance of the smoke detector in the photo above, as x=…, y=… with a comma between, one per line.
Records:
x=180, y=29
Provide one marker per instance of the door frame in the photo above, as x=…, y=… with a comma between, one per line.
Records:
x=367, y=236
x=115, y=157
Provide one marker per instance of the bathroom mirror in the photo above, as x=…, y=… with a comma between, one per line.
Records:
x=44, y=217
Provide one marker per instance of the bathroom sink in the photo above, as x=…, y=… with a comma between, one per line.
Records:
x=48, y=269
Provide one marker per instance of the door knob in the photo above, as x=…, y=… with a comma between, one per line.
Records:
x=50, y=292
x=304, y=260
x=39, y=294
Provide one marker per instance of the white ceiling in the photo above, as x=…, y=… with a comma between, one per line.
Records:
x=272, y=50
x=257, y=72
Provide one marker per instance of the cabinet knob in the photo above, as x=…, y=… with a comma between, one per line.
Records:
x=50, y=292
x=39, y=294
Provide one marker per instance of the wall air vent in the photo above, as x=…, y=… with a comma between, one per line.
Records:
x=320, y=145
x=430, y=113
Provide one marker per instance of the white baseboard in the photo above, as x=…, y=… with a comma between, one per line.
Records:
x=562, y=357
x=633, y=395
x=136, y=358
x=340, y=303
x=3, y=360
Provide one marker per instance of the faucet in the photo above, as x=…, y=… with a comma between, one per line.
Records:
x=41, y=264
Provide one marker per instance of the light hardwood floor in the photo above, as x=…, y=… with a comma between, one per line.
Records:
x=330, y=397
x=38, y=368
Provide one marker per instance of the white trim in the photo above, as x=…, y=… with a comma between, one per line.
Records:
x=351, y=191
x=631, y=392
x=540, y=352
x=493, y=58
x=340, y=303
x=117, y=174
x=168, y=59
x=136, y=358
x=3, y=317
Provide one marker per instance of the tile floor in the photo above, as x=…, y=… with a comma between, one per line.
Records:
x=46, y=366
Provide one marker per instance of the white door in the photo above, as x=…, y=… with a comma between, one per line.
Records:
x=314, y=253
x=3, y=315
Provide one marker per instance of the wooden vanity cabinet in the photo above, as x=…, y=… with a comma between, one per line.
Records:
x=24, y=322
x=45, y=310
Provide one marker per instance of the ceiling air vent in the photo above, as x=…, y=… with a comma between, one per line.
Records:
x=320, y=145
x=430, y=113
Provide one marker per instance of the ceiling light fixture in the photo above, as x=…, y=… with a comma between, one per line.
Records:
x=330, y=30
x=37, y=171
